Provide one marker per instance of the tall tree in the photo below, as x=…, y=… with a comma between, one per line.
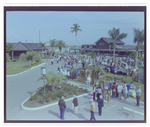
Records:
x=116, y=36
x=139, y=39
x=42, y=45
x=60, y=44
x=8, y=48
x=75, y=29
x=52, y=43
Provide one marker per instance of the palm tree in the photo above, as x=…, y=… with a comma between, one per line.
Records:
x=52, y=43
x=75, y=29
x=116, y=36
x=139, y=39
x=60, y=44
x=42, y=45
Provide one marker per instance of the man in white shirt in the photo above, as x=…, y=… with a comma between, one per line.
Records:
x=88, y=81
x=119, y=90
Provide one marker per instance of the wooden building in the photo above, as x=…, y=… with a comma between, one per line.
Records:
x=105, y=46
x=20, y=47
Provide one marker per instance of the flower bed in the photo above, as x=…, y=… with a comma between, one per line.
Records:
x=53, y=94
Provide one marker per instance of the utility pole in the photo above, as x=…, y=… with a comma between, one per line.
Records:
x=39, y=37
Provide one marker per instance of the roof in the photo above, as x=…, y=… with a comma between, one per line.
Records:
x=128, y=47
x=109, y=40
x=26, y=46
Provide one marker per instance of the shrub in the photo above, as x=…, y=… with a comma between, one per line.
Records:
x=32, y=97
x=46, y=98
x=7, y=57
x=14, y=60
x=54, y=96
x=85, y=90
x=59, y=94
x=37, y=57
x=23, y=57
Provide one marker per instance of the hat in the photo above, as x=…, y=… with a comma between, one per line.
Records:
x=100, y=97
x=91, y=100
x=139, y=86
x=63, y=97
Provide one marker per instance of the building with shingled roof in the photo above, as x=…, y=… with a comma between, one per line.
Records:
x=20, y=47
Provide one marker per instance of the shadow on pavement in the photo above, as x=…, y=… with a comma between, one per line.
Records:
x=54, y=113
x=80, y=116
x=88, y=97
x=30, y=92
x=69, y=110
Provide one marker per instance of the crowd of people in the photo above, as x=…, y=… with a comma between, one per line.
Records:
x=121, y=66
x=118, y=89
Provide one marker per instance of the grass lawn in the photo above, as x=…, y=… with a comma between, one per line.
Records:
x=17, y=67
x=126, y=79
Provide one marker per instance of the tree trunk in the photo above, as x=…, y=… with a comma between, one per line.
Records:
x=137, y=48
x=114, y=51
x=136, y=58
x=114, y=55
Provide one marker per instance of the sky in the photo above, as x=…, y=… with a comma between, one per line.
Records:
x=24, y=26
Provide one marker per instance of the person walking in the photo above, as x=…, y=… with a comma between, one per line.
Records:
x=125, y=91
x=138, y=95
x=92, y=110
x=88, y=81
x=99, y=92
x=68, y=74
x=62, y=106
x=75, y=103
x=114, y=90
x=100, y=105
x=119, y=89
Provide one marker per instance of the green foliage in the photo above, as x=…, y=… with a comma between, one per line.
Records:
x=59, y=94
x=47, y=56
x=133, y=55
x=140, y=58
x=82, y=52
x=37, y=57
x=52, y=43
x=32, y=97
x=9, y=47
x=14, y=60
x=97, y=68
x=60, y=44
x=85, y=90
x=54, y=96
x=7, y=57
x=92, y=54
x=30, y=55
x=42, y=45
x=23, y=57
x=53, y=79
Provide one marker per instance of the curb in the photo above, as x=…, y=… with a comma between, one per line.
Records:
x=26, y=70
x=46, y=106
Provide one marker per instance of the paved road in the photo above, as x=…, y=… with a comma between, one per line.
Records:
x=18, y=89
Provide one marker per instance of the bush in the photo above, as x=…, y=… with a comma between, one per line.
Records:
x=85, y=90
x=32, y=97
x=54, y=96
x=59, y=94
x=37, y=57
x=14, y=60
x=23, y=57
x=7, y=57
